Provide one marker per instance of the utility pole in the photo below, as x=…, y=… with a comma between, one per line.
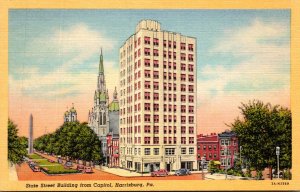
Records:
x=226, y=159
x=241, y=148
x=277, y=153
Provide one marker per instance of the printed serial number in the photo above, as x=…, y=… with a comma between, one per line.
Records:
x=280, y=183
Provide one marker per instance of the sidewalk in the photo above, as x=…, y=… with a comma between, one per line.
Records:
x=217, y=176
x=121, y=172
x=13, y=176
x=127, y=173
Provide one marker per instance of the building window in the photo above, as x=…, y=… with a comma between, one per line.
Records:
x=191, y=151
x=147, y=40
x=147, y=95
x=165, y=43
x=156, y=151
x=147, y=106
x=183, y=140
x=191, y=119
x=147, y=74
x=182, y=46
x=156, y=118
x=191, y=78
x=215, y=155
x=155, y=140
x=174, y=140
x=182, y=87
x=204, y=147
x=155, y=63
x=183, y=151
x=183, y=129
x=147, y=151
x=147, y=62
x=215, y=147
x=182, y=56
x=147, y=51
x=169, y=151
x=191, y=140
x=155, y=86
x=155, y=41
x=190, y=47
x=191, y=68
x=155, y=107
x=147, y=118
x=156, y=129
x=155, y=52
x=147, y=128
x=183, y=108
x=183, y=67
x=209, y=147
x=147, y=85
x=191, y=88
x=183, y=119
x=198, y=147
x=191, y=57
x=146, y=140
x=174, y=44
x=155, y=74
x=165, y=140
x=191, y=130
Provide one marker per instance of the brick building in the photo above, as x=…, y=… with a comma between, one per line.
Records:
x=222, y=147
x=157, y=100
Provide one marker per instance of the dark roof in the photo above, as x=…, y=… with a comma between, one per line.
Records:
x=227, y=134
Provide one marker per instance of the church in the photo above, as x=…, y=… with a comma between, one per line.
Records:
x=103, y=118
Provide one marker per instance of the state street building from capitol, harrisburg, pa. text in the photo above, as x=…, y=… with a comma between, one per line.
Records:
x=158, y=100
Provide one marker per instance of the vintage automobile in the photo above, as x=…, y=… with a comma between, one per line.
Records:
x=181, y=172
x=87, y=170
x=36, y=168
x=80, y=167
x=160, y=172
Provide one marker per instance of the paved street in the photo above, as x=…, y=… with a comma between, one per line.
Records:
x=25, y=173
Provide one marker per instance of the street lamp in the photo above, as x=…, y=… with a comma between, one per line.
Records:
x=202, y=166
x=226, y=159
x=241, y=148
x=277, y=153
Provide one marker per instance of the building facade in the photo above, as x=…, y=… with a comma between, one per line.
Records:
x=112, y=149
x=207, y=148
x=104, y=116
x=229, y=148
x=70, y=115
x=157, y=100
x=221, y=147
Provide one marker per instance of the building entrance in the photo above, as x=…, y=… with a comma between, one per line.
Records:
x=168, y=167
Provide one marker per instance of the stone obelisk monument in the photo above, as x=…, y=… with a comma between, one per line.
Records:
x=30, y=138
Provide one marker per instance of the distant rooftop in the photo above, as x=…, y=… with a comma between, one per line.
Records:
x=148, y=24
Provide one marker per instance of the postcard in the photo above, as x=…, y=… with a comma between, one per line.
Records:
x=100, y=95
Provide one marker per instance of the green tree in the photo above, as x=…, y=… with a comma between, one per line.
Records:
x=262, y=128
x=73, y=140
x=212, y=167
x=17, y=146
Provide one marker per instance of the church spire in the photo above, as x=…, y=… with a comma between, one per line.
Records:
x=101, y=68
x=115, y=94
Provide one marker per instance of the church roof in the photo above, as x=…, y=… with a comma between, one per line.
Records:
x=114, y=106
x=101, y=68
x=102, y=96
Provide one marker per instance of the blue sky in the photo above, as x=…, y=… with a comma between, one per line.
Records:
x=241, y=53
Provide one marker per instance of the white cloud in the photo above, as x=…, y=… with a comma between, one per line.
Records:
x=74, y=46
x=262, y=62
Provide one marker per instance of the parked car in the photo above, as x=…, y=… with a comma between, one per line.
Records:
x=68, y=164
x=87, y=170
x=160, y=172
x=36, y=168
x=80, y=167
x=180, y=172
x=51, y=161
x=59, y=160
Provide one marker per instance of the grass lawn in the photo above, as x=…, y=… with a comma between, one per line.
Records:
x=51, y=168
x=35, y=156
